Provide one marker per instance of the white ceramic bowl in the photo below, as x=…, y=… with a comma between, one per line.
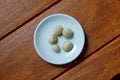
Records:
x=46, y=27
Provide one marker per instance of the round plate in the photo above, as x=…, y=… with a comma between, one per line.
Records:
x=45, y=29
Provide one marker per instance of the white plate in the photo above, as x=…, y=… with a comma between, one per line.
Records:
x=46, y=27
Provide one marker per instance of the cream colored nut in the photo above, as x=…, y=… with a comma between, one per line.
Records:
x=53, y=39
x=67, y=46
x=67, y=33
x=56, y=48
x=58, y=30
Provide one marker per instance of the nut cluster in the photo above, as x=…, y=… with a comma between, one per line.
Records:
x=60, y=31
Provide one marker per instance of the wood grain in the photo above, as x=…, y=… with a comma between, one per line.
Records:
x=13, y=13
x=18, y=58
x=102, y=65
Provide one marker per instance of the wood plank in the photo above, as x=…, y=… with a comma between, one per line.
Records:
x=18, y=58
x=15, y=12
x=102, y=65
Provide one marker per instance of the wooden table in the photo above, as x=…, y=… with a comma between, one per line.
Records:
x=100, y=59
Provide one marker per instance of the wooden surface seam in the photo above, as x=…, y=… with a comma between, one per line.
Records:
x=8, y=28
x=97, y=50
x=99, y=66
